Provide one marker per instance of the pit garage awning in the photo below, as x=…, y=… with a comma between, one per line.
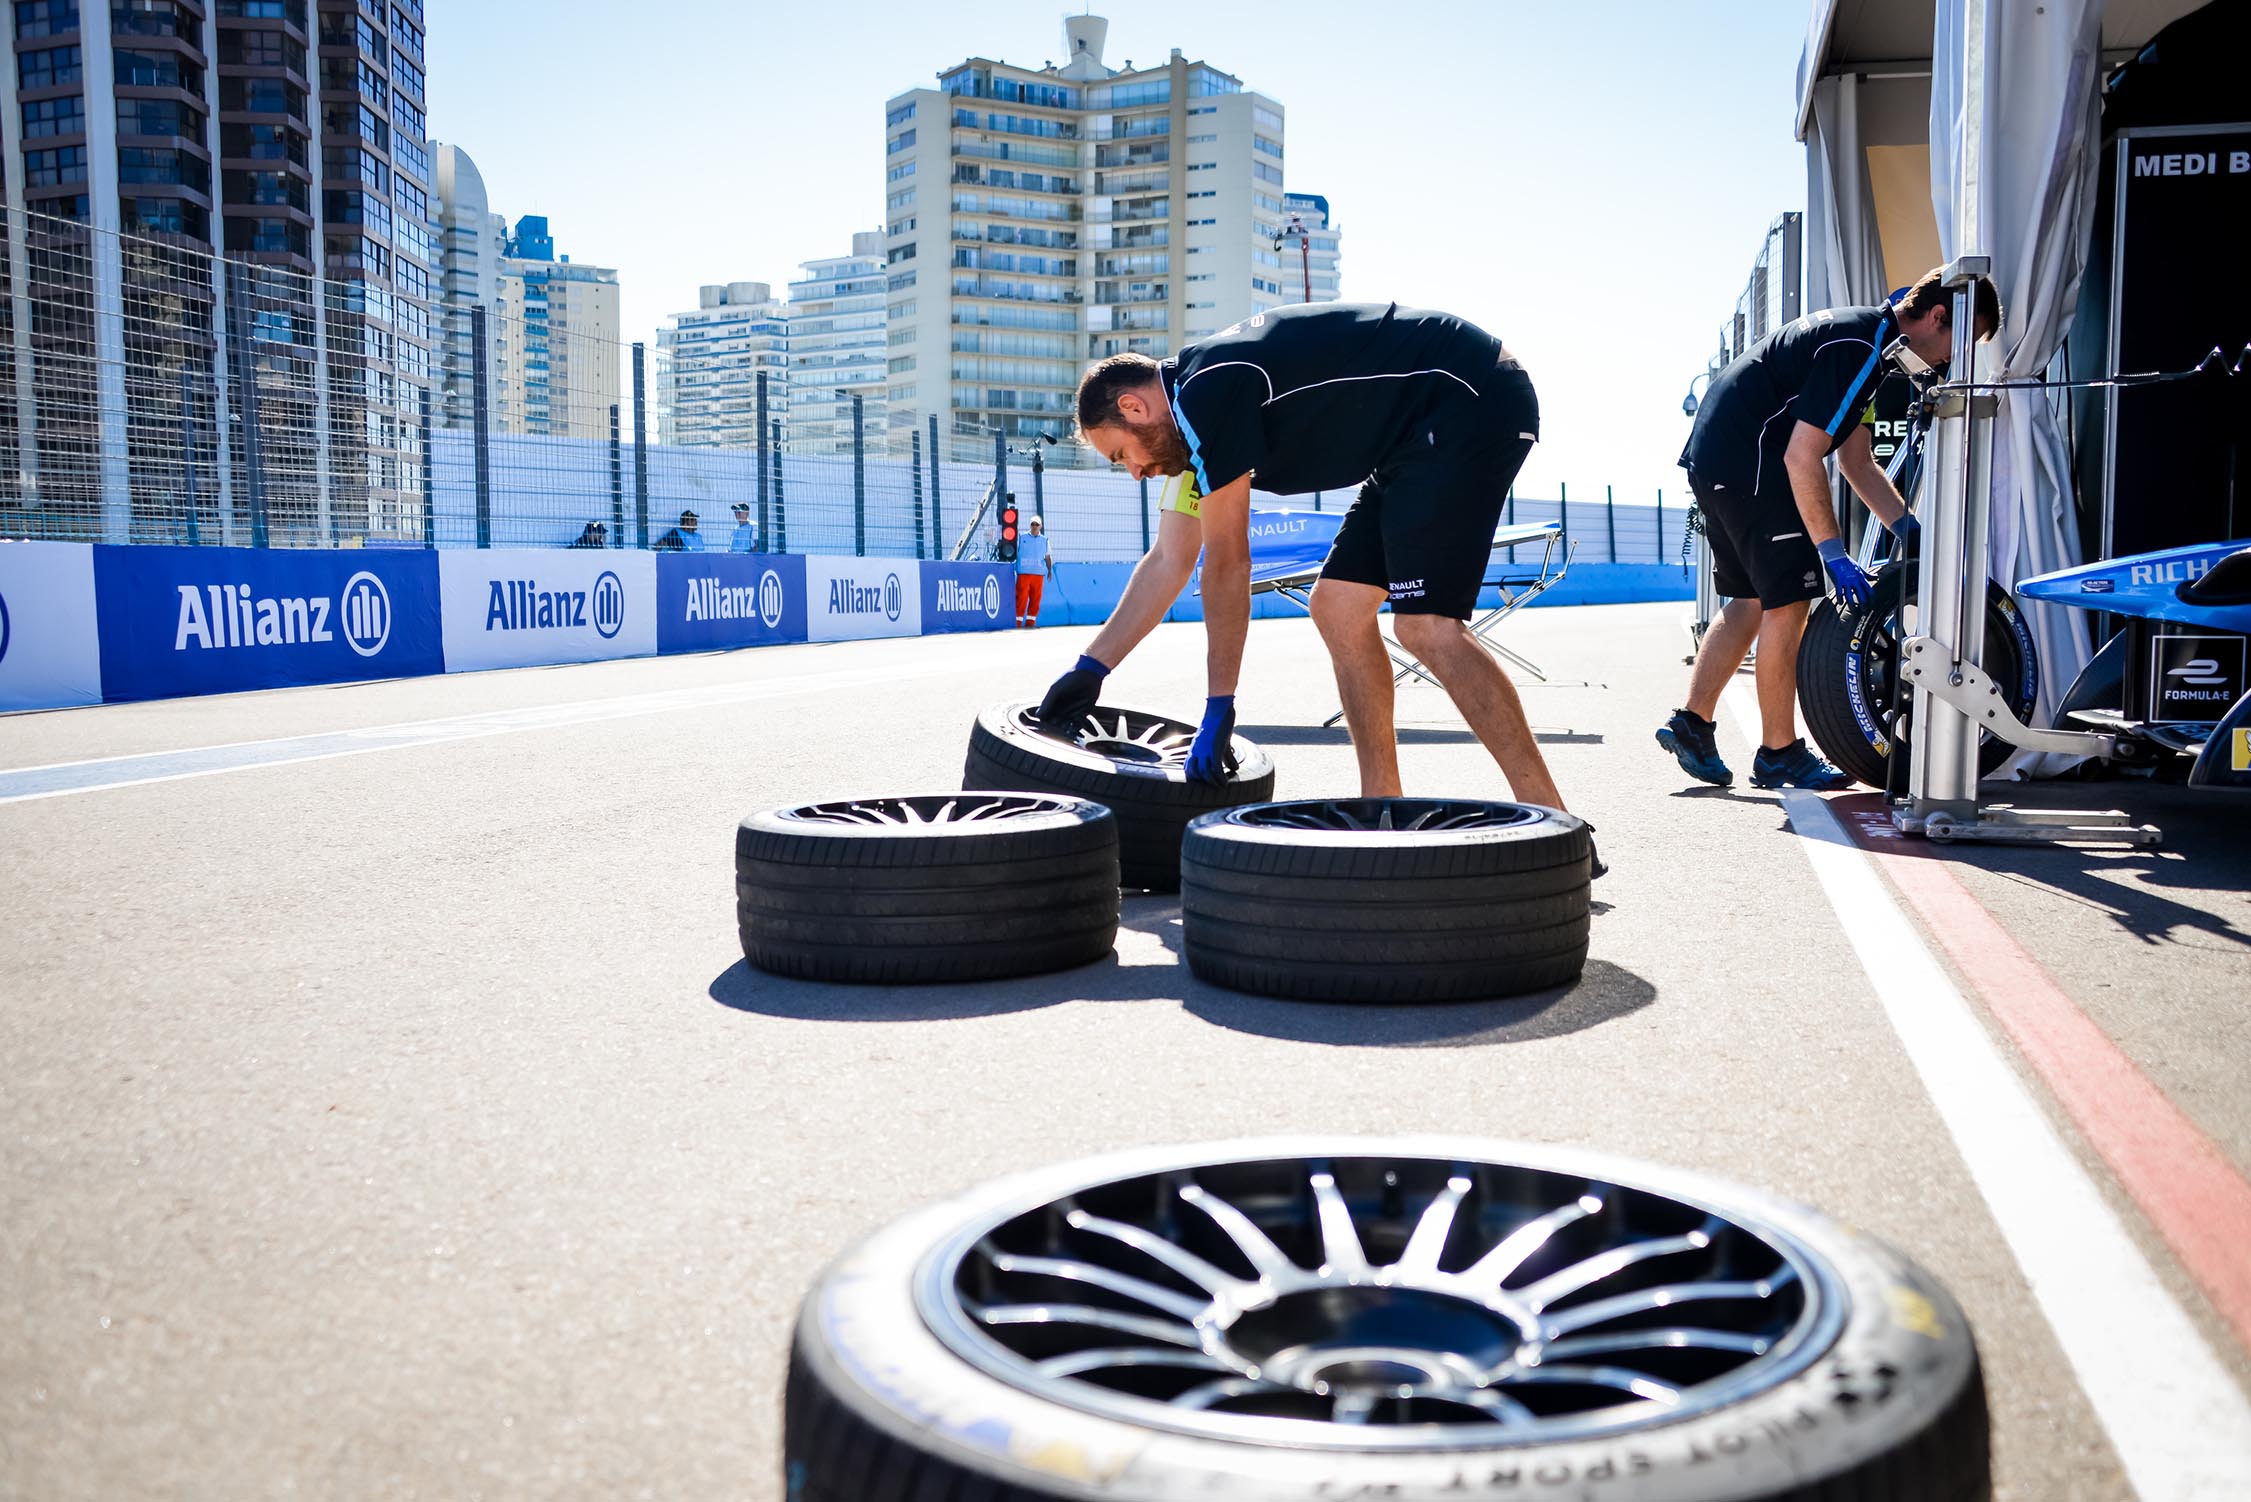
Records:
x=1937, y=128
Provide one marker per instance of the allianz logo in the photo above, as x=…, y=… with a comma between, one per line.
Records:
x=521, y=605
x=956, y=597
x=216, y=617
x=3, y=628
x=847, y=597
x=709, y=600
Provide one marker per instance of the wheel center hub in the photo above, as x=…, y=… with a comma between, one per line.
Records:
x=1371, y=1337
x=1117, y=750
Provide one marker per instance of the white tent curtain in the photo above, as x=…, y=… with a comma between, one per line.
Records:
x=1844, y=259
x=2031, y=197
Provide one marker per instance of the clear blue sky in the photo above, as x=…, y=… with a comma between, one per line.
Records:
x=1587, y=180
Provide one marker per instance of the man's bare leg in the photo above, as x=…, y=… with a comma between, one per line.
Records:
x=1481, y=690
x=1725, y=641
x=1346, y=617
x=1779, y=631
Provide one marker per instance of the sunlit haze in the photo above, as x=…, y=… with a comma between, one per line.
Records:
x=1590, y=181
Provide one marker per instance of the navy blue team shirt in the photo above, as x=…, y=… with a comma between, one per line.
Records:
x=1822, y=369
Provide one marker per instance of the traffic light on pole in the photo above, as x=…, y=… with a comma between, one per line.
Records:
x=1008, y=531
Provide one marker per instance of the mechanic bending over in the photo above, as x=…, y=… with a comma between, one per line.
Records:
x=1754, y=461
x=1431, y=412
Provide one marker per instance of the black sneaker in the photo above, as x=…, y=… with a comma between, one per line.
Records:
x=1794, y=766
x=1695, y=745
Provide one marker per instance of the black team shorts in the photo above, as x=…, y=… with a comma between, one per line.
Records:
x=1422, y=528
x=1758, y=542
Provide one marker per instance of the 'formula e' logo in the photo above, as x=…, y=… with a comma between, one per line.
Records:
x=365, y=614
x=992, y=597
x=3, y=628
x=770, y=599
x=2204, y=672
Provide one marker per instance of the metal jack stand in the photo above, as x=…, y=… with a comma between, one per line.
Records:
x=1944, y=634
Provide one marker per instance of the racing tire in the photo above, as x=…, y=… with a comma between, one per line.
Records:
x=1846, y=682
x=950, y=887
x=1386, y=899
x=1132, y=761
x=1036, y=1339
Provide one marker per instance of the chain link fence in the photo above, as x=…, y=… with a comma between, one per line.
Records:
x=152, y=392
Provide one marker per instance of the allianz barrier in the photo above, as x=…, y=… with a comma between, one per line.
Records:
x=84, y=624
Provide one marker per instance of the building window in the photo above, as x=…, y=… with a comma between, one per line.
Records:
x=1265, y=173
x=406, y=33
x=899, y=282
x=162, y=164
x=409, y=116
x=267, y=237
x=899, y=116
x=261, y=96
x=261, y=49
x=413, y=280
x=904, y=199
x=412, y=200
x=45, y=18
x=902, y=364
x=51, y=169
x=406, y=75
x=1201, y=140
x=904, y=169
x=49, y=67
x=899, y=142
x=1261, y=143
x=1266, y=119
x=56, y=117
x=158, y=117
x=157, y=70
x=163, y=216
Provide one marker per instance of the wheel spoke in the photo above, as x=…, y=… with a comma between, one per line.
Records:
x=1507, y=1411
x=1591, y=1270
x=1110, y=1358
x=1087, y=1314
x=1269, y=1259
x=1649, y=1300
x=1341, y=1252
x=1428, y=1243
x=1218, y=1281
x=1682, y=1338
x=1353, y=1405
x=1493, y=1269
x=1204, y=1394
x=1125, y=1285
x=1600, y=1376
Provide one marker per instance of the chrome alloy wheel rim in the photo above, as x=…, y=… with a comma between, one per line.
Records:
x=1373, y=1300
x=1123, y=735
x=935, y=808
x=1386, y=814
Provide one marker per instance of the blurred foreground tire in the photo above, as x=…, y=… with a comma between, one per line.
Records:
x=1415, y=1319
x=950, y=887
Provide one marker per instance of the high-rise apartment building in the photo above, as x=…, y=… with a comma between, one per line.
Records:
x=837, y=349
x=471, y=241
x=289, y=136
x=1039, y=218
x=709, y=361
x=553, y=344
x=1310, y=252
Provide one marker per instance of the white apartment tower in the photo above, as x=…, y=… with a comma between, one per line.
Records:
x=553, y=346
x=836, y=349
x=709, y=362
x=471, y=241
x=1040, y=218
x=1315, y=260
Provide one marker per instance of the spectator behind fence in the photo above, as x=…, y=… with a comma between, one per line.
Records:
x=1035, y=565
x=691, y=541
x=746, y=532
x=595, y=536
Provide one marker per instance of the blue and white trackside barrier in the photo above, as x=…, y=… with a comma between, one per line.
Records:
x=84, y=624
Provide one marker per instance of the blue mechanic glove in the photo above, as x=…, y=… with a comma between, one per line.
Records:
x=1072, y=697
x=1212, y=757
x=1851, y=584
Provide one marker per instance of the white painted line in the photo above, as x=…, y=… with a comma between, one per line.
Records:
x=2178, y=1422
x=61, y=779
